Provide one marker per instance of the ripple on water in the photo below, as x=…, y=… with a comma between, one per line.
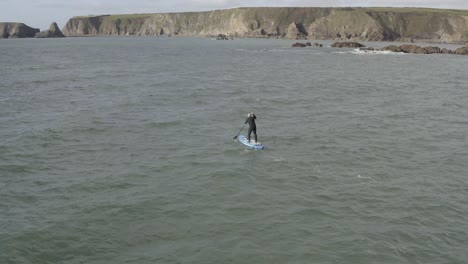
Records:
x=101, y=163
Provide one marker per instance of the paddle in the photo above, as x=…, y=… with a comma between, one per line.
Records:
x=239, y=132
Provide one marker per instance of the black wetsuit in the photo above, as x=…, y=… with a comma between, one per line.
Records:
x=252, y=127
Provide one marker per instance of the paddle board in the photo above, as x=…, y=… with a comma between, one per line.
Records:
x=250, y=144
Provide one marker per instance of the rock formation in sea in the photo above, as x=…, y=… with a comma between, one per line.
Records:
x=462, y=51
x=423, y=50
x=299, y=45
x=53, y=32
x=343, y=24
x=17, y=30
x=347, y=45
x=307, y=44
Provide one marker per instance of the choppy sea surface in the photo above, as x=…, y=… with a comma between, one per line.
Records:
x=120, y=150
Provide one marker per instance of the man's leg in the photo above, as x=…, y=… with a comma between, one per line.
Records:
x=255, y=134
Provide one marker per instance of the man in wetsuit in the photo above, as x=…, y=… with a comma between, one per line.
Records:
x=252, y=127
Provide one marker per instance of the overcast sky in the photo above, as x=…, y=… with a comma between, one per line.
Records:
x=40, y=13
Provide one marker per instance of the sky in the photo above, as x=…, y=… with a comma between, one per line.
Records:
x=41, y=13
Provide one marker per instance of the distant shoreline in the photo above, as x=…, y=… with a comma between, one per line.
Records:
x=413, y=25
x=339, y=24
x=420, y=42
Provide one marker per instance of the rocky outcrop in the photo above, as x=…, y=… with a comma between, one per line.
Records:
x=343, y=24
x=413, y=49
x=299, y=45
x=222, y=37
x=423, y=50
x=347, y=45
x=392, y=48
x=296, y=31
x=307, y=44
x=17, y=30
x=53, y=32
x=433, y=50
x=446, y=51
x=462, y=51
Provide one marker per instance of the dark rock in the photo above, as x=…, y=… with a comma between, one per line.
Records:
x=433, y=50
x=222, y=37
x=392, y=48
x=308, y=44
x=421, y=50
x=425, y=50
x=347, y=45
x=53, y=32
x=413, y=49
x=299, y=45
x=367, y=49
x=318, y=45
x=446, y=51
x=408, y=48
x=296, y=31
x=462, y=51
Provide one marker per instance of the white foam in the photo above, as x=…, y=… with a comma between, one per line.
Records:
x=340, y=52
x=365, y=177
x=375, y=52
x=369, y=52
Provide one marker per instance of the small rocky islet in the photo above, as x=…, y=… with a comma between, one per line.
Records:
x=21, y=30
x=307, y=44
x=53, y=32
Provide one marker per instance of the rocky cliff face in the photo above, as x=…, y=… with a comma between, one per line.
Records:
x=374, y=24
x=17, y=30
x=53, y=32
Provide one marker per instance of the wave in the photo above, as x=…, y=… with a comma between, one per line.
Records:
x=340, y=52
x=385, y=52
x=368, y=52
x=253, y=51
x=375, y=52
x=164, y=124
x=277, y=50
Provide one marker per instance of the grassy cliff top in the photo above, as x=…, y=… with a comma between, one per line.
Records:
x=418, y=10
x=276, y=9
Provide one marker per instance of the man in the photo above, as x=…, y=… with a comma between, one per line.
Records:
x=252, y=127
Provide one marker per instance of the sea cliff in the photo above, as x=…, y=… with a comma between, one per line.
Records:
x=371, y=24
x=17, y=30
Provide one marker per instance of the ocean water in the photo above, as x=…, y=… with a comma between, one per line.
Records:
x=121, y=150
